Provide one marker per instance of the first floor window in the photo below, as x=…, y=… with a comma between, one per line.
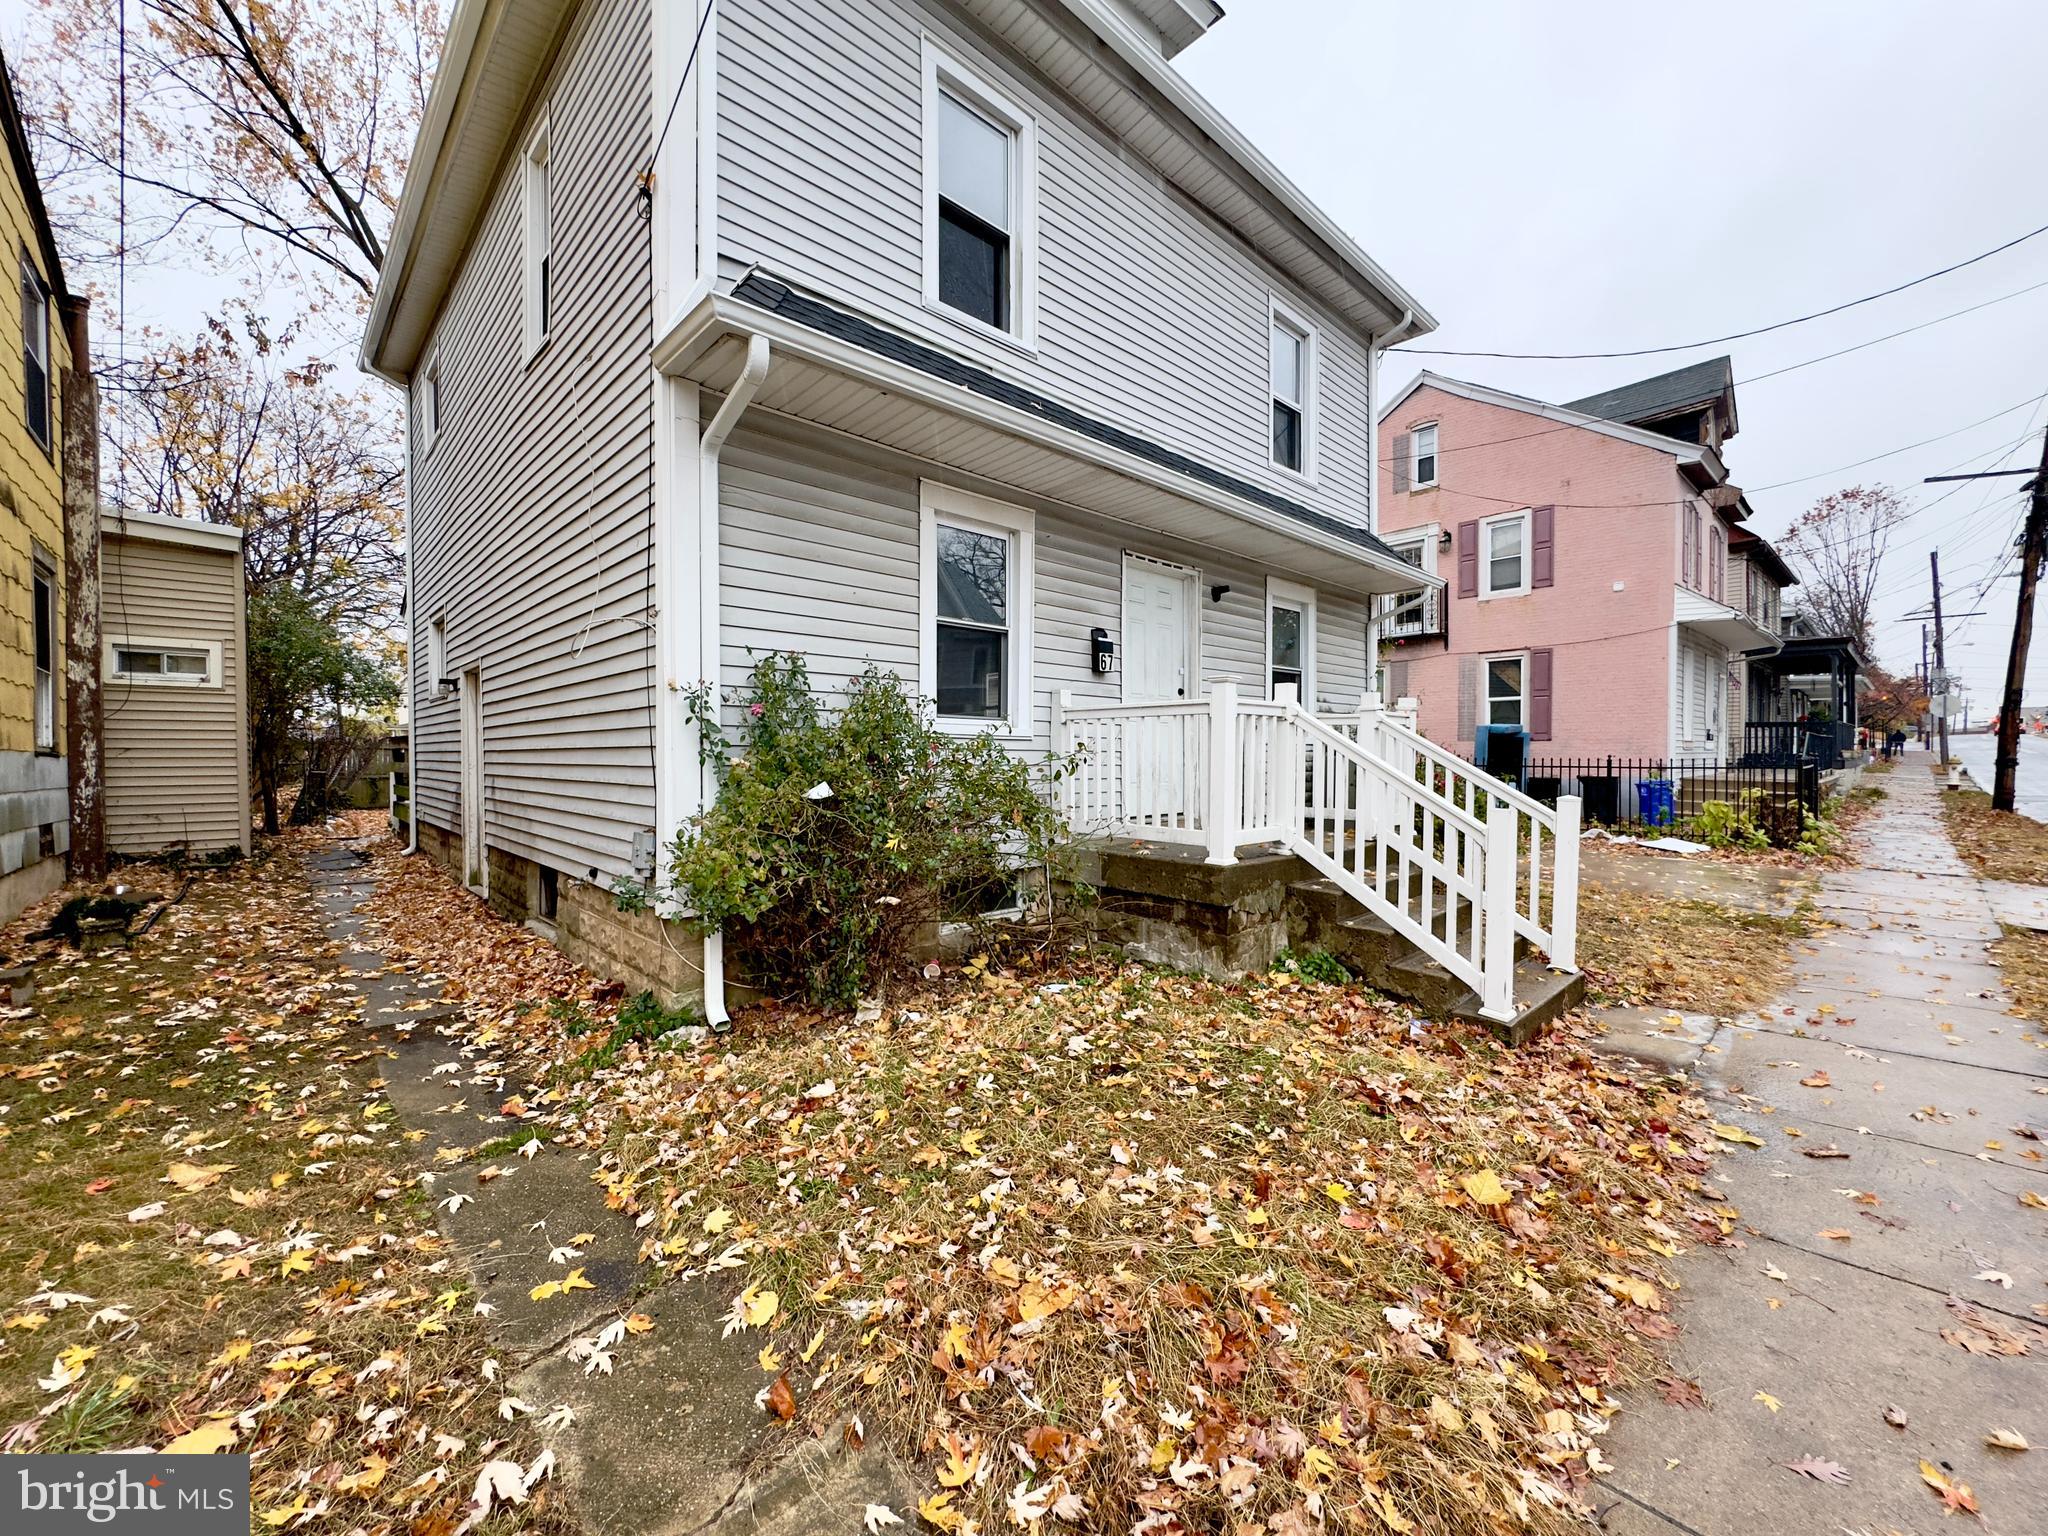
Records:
x=1290, y=639
x=1506, y=697
x=977, y=586
x=1425, y=457
x=187, y=663
x=45, y=602
x=1507, y=554
x=1409, y=613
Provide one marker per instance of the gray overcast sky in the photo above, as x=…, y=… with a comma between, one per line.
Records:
x=1594, y=176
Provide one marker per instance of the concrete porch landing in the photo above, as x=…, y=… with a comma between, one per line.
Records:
x=1162, y=903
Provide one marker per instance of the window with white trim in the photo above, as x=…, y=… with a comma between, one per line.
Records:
x=1507, y=690
x=35, y=352
x=1423, y=446
x=975, y=608
x=1504, y=555
x=1292, y=355
x=430, y=401
x=437, y=655
x=167, y=663
x=45, y=618
x=1291, y=639
x=980, y=197
x=539, y=240
x=1412, y=613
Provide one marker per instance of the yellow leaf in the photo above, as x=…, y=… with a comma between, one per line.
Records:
x=366, y=1481
x=574, y=1281
x=1443, y=1413
x=1768, y=1401
x=1738, y=1135
x=970, y=1143
x=1485, y=1188
x=2034, y=1200
x=298, y=1262
x=1317, y=1463
x=1395, y=1520
x=1036, y=1301
x=214, y=1435
x=234, y=1351
x=190, y=1176
x=771, y=1361
x=938, y=1511
x=810, y=1349
x=284, y=1512
x=639, y=1322
x=758, y=1307
x=1628, y=1288
x=962, y=1461
x=718, y=1221
x=1338, y=1193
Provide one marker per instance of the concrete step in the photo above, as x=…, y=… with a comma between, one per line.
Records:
x=1323, y=915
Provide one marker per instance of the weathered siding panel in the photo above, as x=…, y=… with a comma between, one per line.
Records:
x=532, y=510
x=1150, y=315
x=176, y=757
x=820, y=552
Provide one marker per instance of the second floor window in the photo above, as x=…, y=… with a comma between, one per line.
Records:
x=980, y=174
x=1425, y=457
x=1506, y=556
x=1293, y=365
x=539, y=243
x=35, y=353
x=430, y=402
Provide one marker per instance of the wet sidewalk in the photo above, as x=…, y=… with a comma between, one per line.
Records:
x=1887, y=1263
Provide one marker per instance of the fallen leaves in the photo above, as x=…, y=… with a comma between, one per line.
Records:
x=1767, y=1400
x=1485, y=1188
x=1738, y=1135
x=205, y=1440
x=1954, y=1495
x=1831, y=1472
x=573, y=1281
x=2007, y=1440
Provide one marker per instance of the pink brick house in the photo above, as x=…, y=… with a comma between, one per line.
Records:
x=1600, y=593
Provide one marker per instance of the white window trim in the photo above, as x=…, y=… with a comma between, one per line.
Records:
x=44, y=679
x=1486, y=527
x=1486, y=686
x=535, y=204
x=111, y=645
x=46, y=440
x=1193, y=577
x=1415, y=480
x=428, y=401
x=965, y=509
x=1280, y=313
x=943, y=71
x=437, y=656
x=1288, y=594
x=1427, y=535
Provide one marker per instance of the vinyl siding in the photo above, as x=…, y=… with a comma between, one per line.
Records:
x=1150, y=315
x=819, y=549
x=531, y=512
x=176, y=757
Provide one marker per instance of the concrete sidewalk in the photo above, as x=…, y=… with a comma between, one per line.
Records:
x=1855, y=1286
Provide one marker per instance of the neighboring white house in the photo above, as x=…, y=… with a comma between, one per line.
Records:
x=755, y=331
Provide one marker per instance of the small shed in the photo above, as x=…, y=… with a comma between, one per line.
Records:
x=173, y=615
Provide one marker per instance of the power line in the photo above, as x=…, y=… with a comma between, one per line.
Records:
x=1890, y=452
x=1955, y=314
x=1761, y=330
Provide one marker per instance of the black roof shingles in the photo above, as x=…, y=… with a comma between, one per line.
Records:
x=1648, y=399
x=783, y=300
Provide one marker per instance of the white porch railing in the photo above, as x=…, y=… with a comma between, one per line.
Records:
x=1450, y=858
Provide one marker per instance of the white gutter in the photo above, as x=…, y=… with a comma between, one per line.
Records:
x=710, y=445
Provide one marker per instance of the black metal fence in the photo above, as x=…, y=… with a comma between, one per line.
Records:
x=1659, y=794
x=1777, y=743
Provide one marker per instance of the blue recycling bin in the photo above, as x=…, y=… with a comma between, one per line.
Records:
x=1656, y=802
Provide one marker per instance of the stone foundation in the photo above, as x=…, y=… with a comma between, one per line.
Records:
x=1165, y=906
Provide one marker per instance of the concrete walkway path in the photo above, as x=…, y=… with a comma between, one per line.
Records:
x=1860, y=1282
x=666, y=1438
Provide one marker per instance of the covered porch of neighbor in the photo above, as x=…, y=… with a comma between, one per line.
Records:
x=1802, y=703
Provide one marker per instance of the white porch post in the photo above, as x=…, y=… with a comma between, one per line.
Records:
x=1497, y=912
x=1564, y=886
x=1221, y=818
x=1062, y=746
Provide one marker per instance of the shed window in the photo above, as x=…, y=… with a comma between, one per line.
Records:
x=163, y=663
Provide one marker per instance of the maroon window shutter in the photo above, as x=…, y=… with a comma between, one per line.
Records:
x=1468, y=559
x=1542, y=546
x=1539, y=694
x=1403, y=462
x=1685, y=574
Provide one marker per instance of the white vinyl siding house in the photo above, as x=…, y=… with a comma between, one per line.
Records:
x=952, y=353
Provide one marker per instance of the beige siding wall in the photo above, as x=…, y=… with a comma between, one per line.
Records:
x=177, y=758
x=531, y=509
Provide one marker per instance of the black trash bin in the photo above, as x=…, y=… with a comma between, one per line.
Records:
x=1601, y=796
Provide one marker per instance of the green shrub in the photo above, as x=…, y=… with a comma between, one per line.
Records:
x=1722, y=825
x=1317, y=965
x=838, y=838
x=642, y=1018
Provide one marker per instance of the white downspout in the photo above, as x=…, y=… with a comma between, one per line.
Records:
x=412, y=653
x=708, y=595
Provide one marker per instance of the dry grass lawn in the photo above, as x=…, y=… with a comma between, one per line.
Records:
x=1999, y=845
x=1696, y=956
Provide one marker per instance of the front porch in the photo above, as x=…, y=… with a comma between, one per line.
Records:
x=1802, y=704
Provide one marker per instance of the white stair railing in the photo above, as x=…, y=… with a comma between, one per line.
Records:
x=1449, y=857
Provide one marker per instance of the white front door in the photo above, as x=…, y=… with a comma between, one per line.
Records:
x=1156, y=661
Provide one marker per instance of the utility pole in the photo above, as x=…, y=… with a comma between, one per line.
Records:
x=2004, y=779
x=1940, y=658
x=1926, y=682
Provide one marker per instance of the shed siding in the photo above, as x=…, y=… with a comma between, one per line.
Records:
x=531, y=513
x=176, y=757
x=820, y=550
x=1150, y=314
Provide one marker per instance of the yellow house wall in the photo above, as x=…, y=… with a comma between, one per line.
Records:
x=31, y=492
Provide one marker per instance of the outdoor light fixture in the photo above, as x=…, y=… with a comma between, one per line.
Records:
x=1443, y=540
x=1218, y=592
x=446, y=685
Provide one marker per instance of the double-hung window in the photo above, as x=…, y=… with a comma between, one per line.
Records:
x=35, y=352
x=980, y=189
x=1507, y=696
x=1291, y=639
x=976, y=611
x=1504, y=555
x=1292, y=354
x=539, y=241
x=1423, y=446
x=45, y=619
x=430, y=402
